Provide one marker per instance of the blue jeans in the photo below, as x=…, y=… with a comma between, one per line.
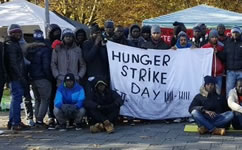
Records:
x=220, y=121
x=237, y=121
x=231, y=79
x=17, y=92
x=219, y=80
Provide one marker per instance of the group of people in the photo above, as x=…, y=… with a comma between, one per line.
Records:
x=69, y=74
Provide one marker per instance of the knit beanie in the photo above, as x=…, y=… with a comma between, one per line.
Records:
x=109, y=24
x=221, y=26
x=155, y=29
x=38, y=35
x=67, y=32
x=209, y=79
x=14, y=28
x=236, y=29
x=213, y=33
x=69, y=77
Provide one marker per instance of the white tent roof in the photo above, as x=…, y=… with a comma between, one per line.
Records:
x=25, y=13
x=211, y=16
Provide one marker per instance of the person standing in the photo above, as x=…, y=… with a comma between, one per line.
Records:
x=39, y=55
x=14, y=64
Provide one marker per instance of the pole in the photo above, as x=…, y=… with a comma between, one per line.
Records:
x=47, y=16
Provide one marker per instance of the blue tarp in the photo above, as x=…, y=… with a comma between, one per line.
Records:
x=209, y=15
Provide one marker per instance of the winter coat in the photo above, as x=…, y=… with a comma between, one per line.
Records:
x=208, y=101
x=198, y=43
x=74, y=96
x=218, y=66
x=39, y=55
x=2, y=70
x=14, y=60
x=151, y=45
x=96, y=58
x=233, y=101
x=65, y=61
x=232, y=54
x=135, y=42
x=110, y=99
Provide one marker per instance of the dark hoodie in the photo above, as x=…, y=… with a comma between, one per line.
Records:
x=50, y=35
x=135, y=42
x=78, y=30
x=109, y=99
x=39, y=54
x=208, y=101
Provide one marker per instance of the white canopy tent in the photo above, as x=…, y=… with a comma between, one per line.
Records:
x=209, y=15
x=27, y=14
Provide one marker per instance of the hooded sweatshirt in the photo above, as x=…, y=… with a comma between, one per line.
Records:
x=75, y=96
x=135, y=42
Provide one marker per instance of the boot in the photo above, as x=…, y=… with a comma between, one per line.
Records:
x=202, y=130
x=98, y=127
x=108, y=126
x=218, y=131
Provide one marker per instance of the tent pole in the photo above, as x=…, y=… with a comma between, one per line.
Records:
x=47, y=16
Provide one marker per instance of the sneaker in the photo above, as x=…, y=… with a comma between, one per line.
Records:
x=20, y=127
x=190, y=120
x=108, y=126
x=9, y=125
x=51, y=123
x=78, y=126
x=218, y=131
x=61, y=127
x=131, y=122
x=1, y=132
x=98, y=127
x=41, y=125
x=202, y=130
x=30, y=122
x=178, y=120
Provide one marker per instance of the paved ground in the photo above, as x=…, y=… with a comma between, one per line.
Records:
x=154, y=136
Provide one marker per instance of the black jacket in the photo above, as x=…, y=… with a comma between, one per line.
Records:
x=204, y=101
x=96, y=58
x=232, y=54
x=109, y=100
x=122, y=40
x=150, y=44
x=14, y=60
x=2, y=72
x=39, y=54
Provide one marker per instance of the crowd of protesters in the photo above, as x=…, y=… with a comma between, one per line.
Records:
x=69, y=75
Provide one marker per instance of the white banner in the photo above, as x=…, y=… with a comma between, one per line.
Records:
x=157, y=84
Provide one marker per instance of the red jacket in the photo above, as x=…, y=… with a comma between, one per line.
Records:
x=218, y=66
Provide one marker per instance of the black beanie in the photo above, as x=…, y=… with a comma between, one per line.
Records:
x=69, y=77
x=209, y=79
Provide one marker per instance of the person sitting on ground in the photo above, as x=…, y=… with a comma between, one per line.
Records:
x=235, y=103
x=207, y=109
x=69, y=102
x=102, y=106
